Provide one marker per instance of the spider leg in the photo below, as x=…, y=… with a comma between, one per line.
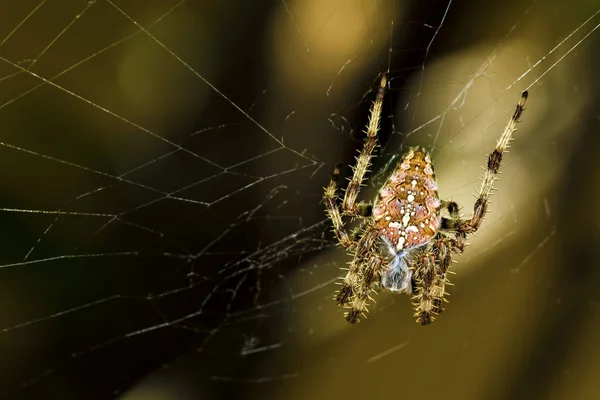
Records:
x=353, y=277
x=362, y=291
x=361, y=246
x=454, y=221
x=348, y=241
x=451, y=207
x=423, y=301
x=443, y=260
x=443, y=250
x=491, y=173
x=358, y=231
x=443, y=247
x=333, y=210
x=363, y=161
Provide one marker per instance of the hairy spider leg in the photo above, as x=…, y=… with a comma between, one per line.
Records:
x=491, y=174
x=369, y=275
x=454, y=230
x=349, y=206
x=443, y=247
x=424, y=299
x=333, y=210
x=355, y=277
x=363, y=161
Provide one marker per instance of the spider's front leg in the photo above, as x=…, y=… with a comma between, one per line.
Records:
x=369, y=276
x=424, y=276
x=356, y=272
x=443, y=249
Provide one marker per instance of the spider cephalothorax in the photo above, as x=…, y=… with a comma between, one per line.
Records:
x=404, y=243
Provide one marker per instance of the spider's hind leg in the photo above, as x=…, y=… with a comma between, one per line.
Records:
x=333, y=209
x=494, y=161
x=451, y=207
x=363, y=161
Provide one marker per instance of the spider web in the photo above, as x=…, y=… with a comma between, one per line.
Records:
x=161, y=181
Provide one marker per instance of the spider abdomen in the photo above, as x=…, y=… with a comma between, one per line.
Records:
x=407, y=208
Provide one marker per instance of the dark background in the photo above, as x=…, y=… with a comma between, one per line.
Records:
x=167, y=174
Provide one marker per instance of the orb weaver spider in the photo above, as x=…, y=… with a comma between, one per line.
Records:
x=407, y=235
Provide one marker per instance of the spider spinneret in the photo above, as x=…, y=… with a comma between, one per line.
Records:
x=404, y=243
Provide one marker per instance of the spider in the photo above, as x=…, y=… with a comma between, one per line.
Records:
x=407, y=235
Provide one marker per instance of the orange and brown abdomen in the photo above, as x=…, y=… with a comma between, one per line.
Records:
x=406, y=212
